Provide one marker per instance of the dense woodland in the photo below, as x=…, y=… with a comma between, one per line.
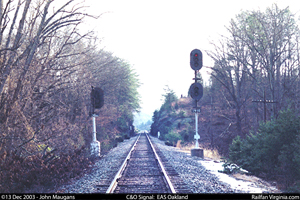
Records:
x=258, y=58
x=47, y=68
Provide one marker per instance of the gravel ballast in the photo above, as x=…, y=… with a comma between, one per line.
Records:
x=102, y=173
x=196, y=176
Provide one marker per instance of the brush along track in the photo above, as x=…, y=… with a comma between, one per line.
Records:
x=142, y=172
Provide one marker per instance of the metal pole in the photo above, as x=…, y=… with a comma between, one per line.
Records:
x=265, y=107
x=94, y=128
x=196, y=127
x=196, y=136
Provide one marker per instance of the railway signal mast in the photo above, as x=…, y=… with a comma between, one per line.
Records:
x=97, y=100
x=196, y=92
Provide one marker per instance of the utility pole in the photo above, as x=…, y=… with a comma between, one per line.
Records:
x=264, y=101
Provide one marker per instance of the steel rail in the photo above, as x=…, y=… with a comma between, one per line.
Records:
x=162, y=167
x=118, y=174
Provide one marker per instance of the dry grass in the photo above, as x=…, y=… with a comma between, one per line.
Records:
x=208, y=153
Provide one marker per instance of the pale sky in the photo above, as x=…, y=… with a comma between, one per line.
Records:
x=157, y=36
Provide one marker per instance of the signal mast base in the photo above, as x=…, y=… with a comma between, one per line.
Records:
x=95, y=145
x=197, y=152
x=95, y=149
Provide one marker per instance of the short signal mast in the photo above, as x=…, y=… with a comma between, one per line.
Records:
x=97, y=101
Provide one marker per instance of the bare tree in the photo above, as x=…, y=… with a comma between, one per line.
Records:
x=35, y=68
x=259, y=55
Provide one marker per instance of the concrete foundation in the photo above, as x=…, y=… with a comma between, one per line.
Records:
x=197, y=152
x=95, y=148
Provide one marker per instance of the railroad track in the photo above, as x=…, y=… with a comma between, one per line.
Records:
x=145, y=170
